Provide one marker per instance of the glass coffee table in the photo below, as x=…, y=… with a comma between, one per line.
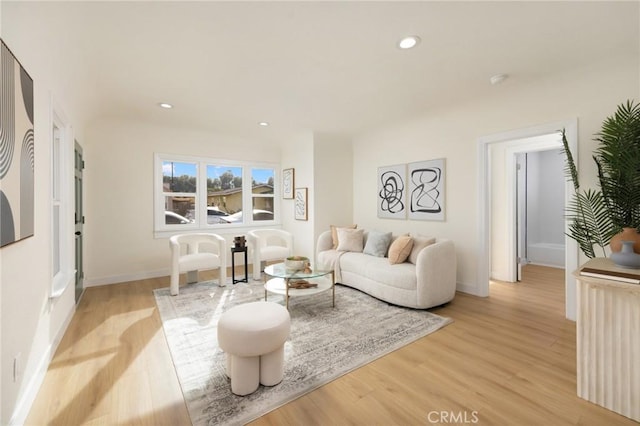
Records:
x=284, y=281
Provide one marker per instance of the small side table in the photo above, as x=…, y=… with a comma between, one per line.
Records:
x=235, y=250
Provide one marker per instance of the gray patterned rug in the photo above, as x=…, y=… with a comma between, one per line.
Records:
x=325, y=343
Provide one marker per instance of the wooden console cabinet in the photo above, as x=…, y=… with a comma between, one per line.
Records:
x=608, y=340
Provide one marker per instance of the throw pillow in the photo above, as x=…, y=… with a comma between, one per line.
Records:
x=350, y=239
x=377, y=243
x=400, y=249
x=419, y=242
x=334, y=233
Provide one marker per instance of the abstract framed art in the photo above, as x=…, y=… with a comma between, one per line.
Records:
x=16, y=150
x=300, y=204
x=426, y=190
x=288, y=183
x=392, y=192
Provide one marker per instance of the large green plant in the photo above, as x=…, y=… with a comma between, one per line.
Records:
x=596, y=215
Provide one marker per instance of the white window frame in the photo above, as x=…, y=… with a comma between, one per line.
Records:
x=62, y=191
x=162, y=230
x=272, y=195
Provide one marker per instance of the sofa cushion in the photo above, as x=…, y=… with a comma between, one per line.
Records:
x=377, y=269
x=400, y=249
x=377, y=243
x=334, y=233
x=350, y=239
x=419, y=242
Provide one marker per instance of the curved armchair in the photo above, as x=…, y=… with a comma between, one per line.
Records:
x=191, y=253
x=269, y=244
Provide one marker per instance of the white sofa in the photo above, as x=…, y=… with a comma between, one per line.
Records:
x=428, y=283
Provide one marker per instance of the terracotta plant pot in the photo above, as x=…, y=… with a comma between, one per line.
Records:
x=627, y=234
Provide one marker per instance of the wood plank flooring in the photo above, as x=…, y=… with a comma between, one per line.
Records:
x=506, y=360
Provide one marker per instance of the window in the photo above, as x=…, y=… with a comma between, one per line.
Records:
x=224, y=194
x=179, y=183
x=201, y=193
x=262, y=194
x=61, y=196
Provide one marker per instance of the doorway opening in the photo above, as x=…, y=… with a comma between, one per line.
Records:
x=539, y=227
x=498, y=215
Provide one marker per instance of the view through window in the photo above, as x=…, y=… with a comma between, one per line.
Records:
x=203, y=193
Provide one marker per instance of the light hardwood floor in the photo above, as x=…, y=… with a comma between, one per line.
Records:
x=506, y=360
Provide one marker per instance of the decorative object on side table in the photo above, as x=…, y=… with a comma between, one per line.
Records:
x=627, y=234
x=296, y=263
x=596, y=215
x=626, y=257
x=239, y=241
x=300, y=284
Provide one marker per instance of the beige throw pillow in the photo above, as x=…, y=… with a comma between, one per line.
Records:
x=350, y=239
x=334, y=233
x=419, y=242
x=400, y=249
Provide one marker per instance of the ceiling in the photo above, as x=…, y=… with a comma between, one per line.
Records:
x=311, y=66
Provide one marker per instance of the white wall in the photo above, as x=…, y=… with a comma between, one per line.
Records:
x=32, y=323
x=545, y=208
x=119, y=156
x=333, y=189
x=298, y=154
x=323, y=164
x=452, y=132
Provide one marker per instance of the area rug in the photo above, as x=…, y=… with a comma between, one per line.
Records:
x=325, y=343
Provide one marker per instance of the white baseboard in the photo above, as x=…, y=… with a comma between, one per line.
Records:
x=498, y=276
x=548, y=265
x=116, y=279
x=26, y=399
x=466, y=288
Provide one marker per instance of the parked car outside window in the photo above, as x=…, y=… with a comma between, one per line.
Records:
x=215, y=215
x=172, y=218
x=257, y=216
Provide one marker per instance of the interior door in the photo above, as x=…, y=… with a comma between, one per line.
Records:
x=521, y=213
x=79, y=221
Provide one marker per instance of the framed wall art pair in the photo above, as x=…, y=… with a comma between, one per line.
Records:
x=414, y=191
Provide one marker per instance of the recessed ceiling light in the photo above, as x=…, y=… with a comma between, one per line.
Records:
x=409, y=42
x=165, y=105
x=263, y=123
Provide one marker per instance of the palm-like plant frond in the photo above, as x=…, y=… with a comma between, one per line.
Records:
x=597, y=215
x=618, y=160
x=570, y=169
x=590, y=222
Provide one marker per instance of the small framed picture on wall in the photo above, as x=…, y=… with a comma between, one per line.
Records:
x=288, y=183
x=300, y=204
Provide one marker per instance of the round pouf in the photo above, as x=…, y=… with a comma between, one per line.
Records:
x=253, y=336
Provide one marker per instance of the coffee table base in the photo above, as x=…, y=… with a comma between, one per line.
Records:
x=280, y=286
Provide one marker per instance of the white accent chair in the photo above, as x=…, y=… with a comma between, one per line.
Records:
x=191, y=253
x=269, y=245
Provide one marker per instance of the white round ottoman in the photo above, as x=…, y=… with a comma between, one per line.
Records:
x=253, y=336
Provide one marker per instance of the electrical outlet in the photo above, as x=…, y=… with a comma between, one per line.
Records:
x=17, y=367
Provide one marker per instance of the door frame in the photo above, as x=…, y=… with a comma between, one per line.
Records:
x=485, y=213
x=521, y=215
x=78, y=167
x=522, y=146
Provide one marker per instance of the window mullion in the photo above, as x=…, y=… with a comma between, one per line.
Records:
x=201, y=195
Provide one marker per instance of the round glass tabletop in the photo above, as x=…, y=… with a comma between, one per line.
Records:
x=280, y=271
